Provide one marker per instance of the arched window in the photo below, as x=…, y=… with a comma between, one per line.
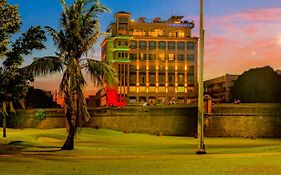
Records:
x=190, y=45
x=162, y=45
x=171, y=45
x=142, y=44
x=180, y=45
x=133, y=44
x=152, y=45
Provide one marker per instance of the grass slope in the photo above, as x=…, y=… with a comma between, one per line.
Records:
x=110, y=152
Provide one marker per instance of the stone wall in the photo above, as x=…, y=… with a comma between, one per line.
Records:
x=242, y=120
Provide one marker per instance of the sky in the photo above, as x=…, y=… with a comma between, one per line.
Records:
x=239, y=34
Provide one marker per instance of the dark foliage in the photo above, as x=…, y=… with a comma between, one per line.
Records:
x=37, y=98
x=258, y=85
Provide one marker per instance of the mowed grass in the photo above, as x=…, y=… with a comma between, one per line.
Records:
x=106, y=152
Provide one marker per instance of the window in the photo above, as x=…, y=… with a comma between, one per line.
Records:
x=171, y=78
x=156, y=32
x=152, y=45
x=176, y=33
x=122, y=55
x=122, y=43
x=181, y=45
x=132, y=79
x=171, y=56
x=133, y=56
x=162, y=45
x=190, y=69
x=123, y=19
x=190, y=45
x=171, y=45
x=151, y=79
x=181, y=79
x=142, y=44
x=152, y=56
x=142, y=56
x=133, y=44
x=161, y=56
x=190, y=57
x=190, y=79
x=138, y=32
x=132, y=68
x=180, y=57
x=162, y=79
x=142, y=79
x=123, y=26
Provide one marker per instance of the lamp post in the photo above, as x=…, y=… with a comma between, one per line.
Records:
x=201, y=146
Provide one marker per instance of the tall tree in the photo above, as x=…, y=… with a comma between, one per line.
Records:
x=9, y=24
x=14, y=80
x=79, y=31
x=258, y=85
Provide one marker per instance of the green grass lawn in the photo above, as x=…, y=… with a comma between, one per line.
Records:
x=109, y=152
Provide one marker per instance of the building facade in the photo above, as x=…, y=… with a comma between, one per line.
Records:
x=219, y=88
x=156, y=60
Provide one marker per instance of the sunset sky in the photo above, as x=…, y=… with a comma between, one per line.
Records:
x=240, y=34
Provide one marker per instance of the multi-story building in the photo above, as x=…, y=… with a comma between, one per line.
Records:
x=156, y=60
x=219, y=88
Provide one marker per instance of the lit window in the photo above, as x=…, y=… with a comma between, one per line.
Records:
x=156, y=32
x=176, y=33
x=142, y=56
x=161, y=56
x=138, y=32
x=171, y=56
x=181, y=79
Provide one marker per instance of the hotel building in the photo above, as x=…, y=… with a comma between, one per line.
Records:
x=156, y=60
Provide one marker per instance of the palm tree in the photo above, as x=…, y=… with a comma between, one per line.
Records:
x=79, y=31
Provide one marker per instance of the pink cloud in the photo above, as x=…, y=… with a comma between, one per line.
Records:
x=240, y=41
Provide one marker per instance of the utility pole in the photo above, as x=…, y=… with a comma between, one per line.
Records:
x=201, y=146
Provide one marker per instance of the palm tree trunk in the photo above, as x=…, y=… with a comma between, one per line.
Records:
x=71, y=120
x=69, y=143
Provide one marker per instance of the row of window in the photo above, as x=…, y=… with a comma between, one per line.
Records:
x=161, y=79
x=162, y=56
x=162, y=45
x=157, y=33
x=161, y=69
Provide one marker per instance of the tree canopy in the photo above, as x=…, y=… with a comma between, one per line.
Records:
x=257, y=85
x=9, y=24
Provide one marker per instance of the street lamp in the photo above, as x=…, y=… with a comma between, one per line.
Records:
x=201, y=146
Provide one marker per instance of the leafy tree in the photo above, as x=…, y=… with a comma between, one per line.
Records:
x=9, y=24
x=14, y=80
x=79, y=31
x=37, y=98
x=258, y=85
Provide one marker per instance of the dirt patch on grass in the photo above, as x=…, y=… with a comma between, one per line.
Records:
x=9, y=149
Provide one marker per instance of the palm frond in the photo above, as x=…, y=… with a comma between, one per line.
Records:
x=45, y=65
x=100, y=72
